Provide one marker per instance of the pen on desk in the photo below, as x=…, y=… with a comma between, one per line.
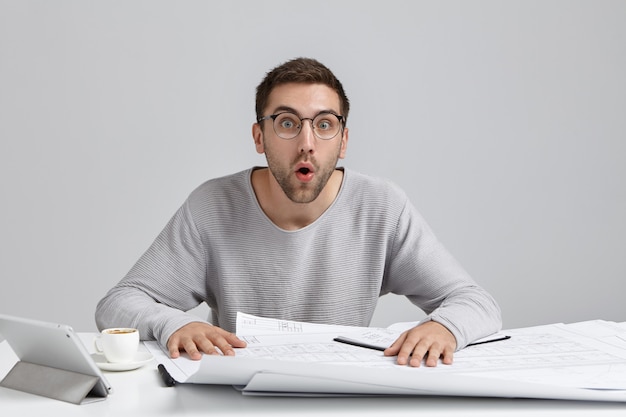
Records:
x=165, y=376
x=359, y=344
x=382, y=349
x=490, y=340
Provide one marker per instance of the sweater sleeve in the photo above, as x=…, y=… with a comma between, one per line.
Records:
x=423, y=270
x=167, y=280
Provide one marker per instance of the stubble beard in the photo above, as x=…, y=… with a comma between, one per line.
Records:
x=294, y=190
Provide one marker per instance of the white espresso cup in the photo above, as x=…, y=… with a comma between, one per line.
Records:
x=119, y=344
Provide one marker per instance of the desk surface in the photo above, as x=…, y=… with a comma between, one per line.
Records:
x=141, y=392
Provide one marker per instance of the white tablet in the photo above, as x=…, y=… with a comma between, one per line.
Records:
x=54, y=346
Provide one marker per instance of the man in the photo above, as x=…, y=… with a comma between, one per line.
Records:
x=300, y=240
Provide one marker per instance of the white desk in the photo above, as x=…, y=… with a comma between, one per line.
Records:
x=142, y=393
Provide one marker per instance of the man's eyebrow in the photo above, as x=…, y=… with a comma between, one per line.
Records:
x=281, y=109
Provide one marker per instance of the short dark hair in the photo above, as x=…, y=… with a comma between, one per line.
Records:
x=300, y=70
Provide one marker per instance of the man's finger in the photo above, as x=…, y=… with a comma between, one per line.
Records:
x=205, y=345
x=448, y=356
x=432, y=357
x=173, y=348
x=174, y=352
x=192, y=350
x=395, y=346
x=412, y=352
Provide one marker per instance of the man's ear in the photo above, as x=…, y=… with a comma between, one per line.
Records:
x=344, y=143
x=257, y=135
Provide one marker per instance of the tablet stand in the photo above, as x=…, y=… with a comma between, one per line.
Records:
x=59, y=384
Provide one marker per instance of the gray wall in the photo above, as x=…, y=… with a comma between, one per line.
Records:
x=505, y=121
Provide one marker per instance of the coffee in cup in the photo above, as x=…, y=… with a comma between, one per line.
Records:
x=119, y=344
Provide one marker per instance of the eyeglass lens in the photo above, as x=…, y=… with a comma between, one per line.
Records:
x=325, y=125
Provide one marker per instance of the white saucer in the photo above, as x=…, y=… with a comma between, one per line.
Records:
x=140, y=360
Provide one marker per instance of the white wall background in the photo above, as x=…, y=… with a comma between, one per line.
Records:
x=505, y=121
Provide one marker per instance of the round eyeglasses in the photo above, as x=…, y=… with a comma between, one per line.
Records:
x=287, y=125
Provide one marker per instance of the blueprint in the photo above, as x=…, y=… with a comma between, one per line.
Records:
x=585, y=361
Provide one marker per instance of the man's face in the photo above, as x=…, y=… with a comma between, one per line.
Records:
x=302, y=165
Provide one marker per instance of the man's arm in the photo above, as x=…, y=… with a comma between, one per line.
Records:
x=168, y=280
x=459, y=311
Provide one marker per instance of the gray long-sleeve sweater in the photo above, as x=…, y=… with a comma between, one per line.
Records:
x=221, y=248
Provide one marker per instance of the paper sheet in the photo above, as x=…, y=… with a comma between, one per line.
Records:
x=584, y=357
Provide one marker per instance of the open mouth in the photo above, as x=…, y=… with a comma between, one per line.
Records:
x=304, y=174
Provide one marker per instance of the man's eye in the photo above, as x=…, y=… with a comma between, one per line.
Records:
x=324, y=125
x=287, y=124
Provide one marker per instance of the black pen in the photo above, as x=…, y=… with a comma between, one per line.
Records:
x=165, y=376
x=347, y=341
x=490, y=340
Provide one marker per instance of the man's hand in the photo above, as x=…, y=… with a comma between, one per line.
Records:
x=197, y=338
x=429, y=340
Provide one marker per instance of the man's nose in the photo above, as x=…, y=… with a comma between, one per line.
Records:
x=306, y=136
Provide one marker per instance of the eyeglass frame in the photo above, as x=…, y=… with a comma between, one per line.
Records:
x=342, y=121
